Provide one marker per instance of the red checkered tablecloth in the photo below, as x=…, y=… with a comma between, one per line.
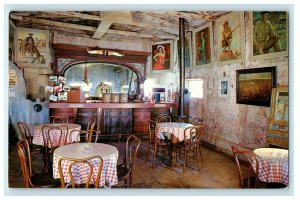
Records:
x=273, y=165
x=172, y=128
x=108, y=153
x=38, y=137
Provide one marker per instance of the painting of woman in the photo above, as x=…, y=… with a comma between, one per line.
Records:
x=159, y=58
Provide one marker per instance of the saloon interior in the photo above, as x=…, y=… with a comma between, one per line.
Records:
x=149, y=99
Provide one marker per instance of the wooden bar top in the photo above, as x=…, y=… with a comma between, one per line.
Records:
x=112, y=105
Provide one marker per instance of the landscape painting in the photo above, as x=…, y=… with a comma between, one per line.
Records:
x=254, y=86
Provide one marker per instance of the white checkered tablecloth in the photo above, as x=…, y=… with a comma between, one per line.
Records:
x=273, y=165
x=108, y=153
x=38, y=137
x=172, y=128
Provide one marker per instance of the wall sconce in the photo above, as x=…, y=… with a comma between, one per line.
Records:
x=105, y=52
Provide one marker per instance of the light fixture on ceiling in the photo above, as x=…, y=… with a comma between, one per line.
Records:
x=105, y=52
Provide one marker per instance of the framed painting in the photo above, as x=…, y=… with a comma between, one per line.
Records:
x=268, y=34
x=230, y=38
x=254, y=86
x=11, y=41
x=188, y=50
x=224, y=88
x=31, y=47
x=161, y=56
x=203, y=45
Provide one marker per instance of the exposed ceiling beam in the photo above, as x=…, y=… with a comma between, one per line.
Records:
x=102, y=29
x=90, y=28
x=133, y=22
x=183, y=14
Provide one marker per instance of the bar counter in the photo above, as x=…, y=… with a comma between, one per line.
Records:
x=113, y=118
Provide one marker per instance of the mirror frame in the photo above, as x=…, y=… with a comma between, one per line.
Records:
x=67, y=56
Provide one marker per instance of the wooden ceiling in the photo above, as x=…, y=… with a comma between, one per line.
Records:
x=147, y=26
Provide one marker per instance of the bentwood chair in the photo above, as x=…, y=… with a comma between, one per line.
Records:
x=155, y=143
x=30, y=179
x=26, y=134
x=81, y=172
x=192, y=145
x=248, y=178
x=89, y=131
x=57, y=119
x=53, y=137
x=163, y=118
x=197, y=121
x=126, y=168
x=84, y=136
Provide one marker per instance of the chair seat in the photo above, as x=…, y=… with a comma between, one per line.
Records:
x=45, y=180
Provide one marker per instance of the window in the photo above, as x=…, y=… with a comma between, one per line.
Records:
x=195, y=87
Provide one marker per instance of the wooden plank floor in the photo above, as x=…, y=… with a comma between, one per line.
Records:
x=217, y=171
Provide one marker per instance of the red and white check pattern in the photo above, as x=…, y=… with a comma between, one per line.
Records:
x=174, y=128
x=273, y=165
x=54, y=136
x=108, y=153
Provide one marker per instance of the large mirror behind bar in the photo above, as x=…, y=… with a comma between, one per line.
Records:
x=98, y=78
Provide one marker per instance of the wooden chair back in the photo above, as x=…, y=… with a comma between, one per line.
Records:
x=248, y=157
x=73, y=167
x=132, y=147
x=25, y=132
x=152, y=130
x=90, y=125
x=197, y=121
x=92, y=136
x=57, y=119
x=25, y=161
x=163, y=118
x=192, y=136
x=84, y=136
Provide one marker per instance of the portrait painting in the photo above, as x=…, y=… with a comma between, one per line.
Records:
x=269, y=34
x=254, y=86
x=203, y=50
x=31, y=47
x=161, y=56
x=230, y=38
x=187, y=50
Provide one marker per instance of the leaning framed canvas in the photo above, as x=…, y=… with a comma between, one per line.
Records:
x=188, y=50
x=254, y=86
x=31, y=47
x=268, y=34
x=161, y=56
x=230, y=38
x=203, y=46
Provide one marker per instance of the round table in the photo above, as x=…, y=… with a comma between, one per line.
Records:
x=108, y=153
x=172, y=128
x=273, y=165
x=173, y=131
x=38, y=136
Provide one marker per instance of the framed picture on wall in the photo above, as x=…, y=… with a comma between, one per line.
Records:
x=188, y=50
x=31, y=47
x=268, y=34
x=161, y=56
x=203, y=46
x=224, y=88
x=254, y=86
x=230, y=38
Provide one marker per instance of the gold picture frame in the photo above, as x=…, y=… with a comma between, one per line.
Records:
x=230, y=38
x=203, y=46
x=277, y=46
x=162, y=61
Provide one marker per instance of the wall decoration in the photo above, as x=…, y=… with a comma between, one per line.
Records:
x=162, y=56
x=203, y=46
x=254, y=86
x=210, y=83
x=188, y=50
x=31, y=47
x=12, y=29
x=268, y=34
x=230, y=38
x=224, y=88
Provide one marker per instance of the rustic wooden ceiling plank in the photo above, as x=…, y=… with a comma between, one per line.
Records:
x=133, y=22
x=102, y=28
x=91, y=28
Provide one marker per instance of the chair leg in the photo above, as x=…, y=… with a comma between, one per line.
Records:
x=185, y=160
x=200, y=151
x=154, y=156
x=197, y=158
x=148, y=154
